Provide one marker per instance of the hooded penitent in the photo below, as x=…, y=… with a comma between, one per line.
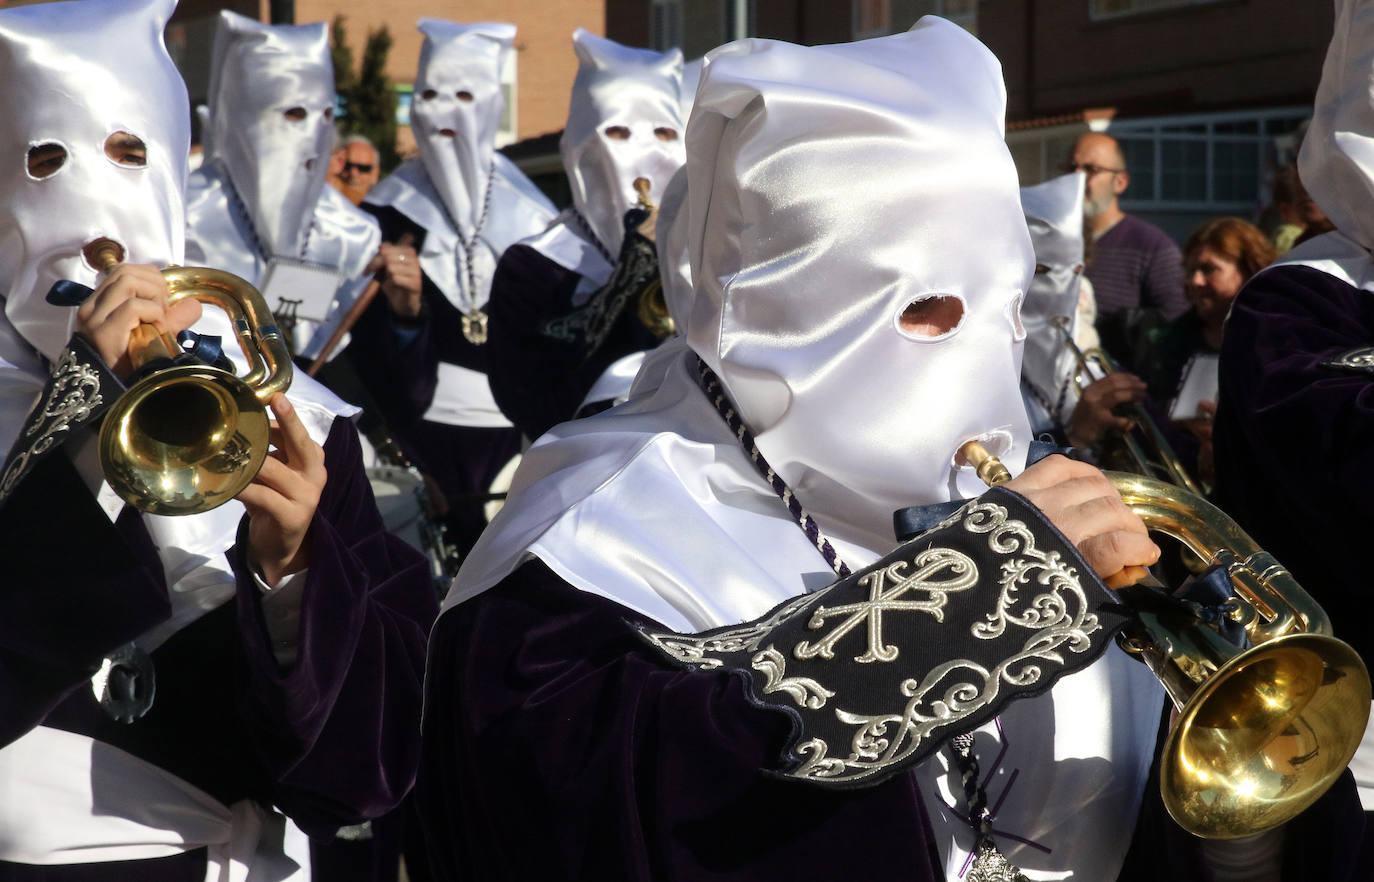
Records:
x=78, y=81
x=829, y=189
x=82, y=77
x=624, y=122
x=272, y=112
x=456, y=111
x=1054, y=214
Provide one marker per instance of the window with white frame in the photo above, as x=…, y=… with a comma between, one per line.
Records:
x=509, y=130
x=1205, y=161
x=1100, y=9
x=665, y=24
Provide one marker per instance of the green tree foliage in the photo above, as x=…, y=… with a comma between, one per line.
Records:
x=369, y=101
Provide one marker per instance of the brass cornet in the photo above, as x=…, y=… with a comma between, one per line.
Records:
x=1261, y=733
x=1164, y=464
x=187, y=437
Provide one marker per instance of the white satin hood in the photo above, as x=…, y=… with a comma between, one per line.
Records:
x=73, y=74
x=1054, y=215
x=879, y=171
x=277, y=165
x=616, y=86
x=458, y=90
x=622, y=504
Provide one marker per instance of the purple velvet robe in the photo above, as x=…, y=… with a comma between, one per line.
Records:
x=539, y=381
x=398, y=361
x=558, y=746
x=1293, y=439
x=331, y=740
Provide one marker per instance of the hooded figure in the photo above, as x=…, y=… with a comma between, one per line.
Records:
x=205, y=710
x=1295, y=417
x=837, y=357
x=1054, y=214
x=260, y=198
x=567, y=308
x=455, y=208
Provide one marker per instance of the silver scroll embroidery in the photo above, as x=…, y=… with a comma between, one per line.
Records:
x=1038, y=593
x=72, y=394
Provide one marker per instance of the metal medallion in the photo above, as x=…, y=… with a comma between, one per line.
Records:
x=125, y=684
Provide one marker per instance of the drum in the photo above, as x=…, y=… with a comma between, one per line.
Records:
x=401, y=499
x=500, y=486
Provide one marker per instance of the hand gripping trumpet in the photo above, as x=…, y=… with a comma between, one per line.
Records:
x=1261, y=732
x=1165, y=464
x=187, y=437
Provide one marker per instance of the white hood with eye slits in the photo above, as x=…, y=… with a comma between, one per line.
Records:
x=635, y=94
x=1054, y=214
x=801, y=324
x=76, y=92
x=272, y=117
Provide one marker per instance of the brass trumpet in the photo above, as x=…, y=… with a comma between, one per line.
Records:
x=1261, y=733
x=188, y=437
x=653, y=308
x=1165, y=464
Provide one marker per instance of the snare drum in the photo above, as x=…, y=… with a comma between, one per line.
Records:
x=400, y=494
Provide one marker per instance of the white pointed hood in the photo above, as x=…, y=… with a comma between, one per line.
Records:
x=73, y=74
x=880, y=172
x=262, y=78
x=1054, y=215
x=456, y=110
x=799, y=318
x=635, y=90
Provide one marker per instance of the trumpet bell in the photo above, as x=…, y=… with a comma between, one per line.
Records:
x=184, y=440
x=1264, y=736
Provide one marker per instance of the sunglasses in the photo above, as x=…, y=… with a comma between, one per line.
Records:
x=364, y=167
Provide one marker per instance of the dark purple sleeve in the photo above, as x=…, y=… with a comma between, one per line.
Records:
x=558, y=745
x=1293, y=435
x=74, y=587
x=1163, y=281
x=338, y=730
x=537, y=381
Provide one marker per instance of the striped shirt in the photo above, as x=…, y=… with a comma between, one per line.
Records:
x=1135, y=263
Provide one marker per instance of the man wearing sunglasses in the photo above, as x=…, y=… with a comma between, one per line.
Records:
x=359, y=167
x=1135, y=268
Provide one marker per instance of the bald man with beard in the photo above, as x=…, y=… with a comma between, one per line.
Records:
x=1136, y=270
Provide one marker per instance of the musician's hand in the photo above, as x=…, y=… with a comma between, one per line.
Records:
x=281, y=500
x=401, y=284
x=1093, y=417
x=128, y=296
x=1079, y=500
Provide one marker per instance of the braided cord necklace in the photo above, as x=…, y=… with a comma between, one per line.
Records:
x=711, y=386
x=240, y=208
x=592, y=237
x=474, y=322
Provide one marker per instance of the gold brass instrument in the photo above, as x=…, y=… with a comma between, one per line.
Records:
x=188, y=437
x=653, y=308
x=1165, y=464
x=1260, y=733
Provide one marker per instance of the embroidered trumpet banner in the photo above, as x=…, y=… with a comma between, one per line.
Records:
x=884, y=666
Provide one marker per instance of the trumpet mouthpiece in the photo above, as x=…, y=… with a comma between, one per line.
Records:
x=989, y=468
x=103, y=254
x=642, y=186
